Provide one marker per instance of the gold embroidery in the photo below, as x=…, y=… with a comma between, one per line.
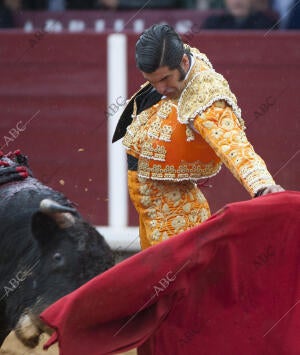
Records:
x=155, y=153
x=185, y=171
x=178, y=223
x=154, y=128
x=204, y=87
x=174, y=207
x=143, y=117
x=223, y=132
x=189, y=134
x=170, y=172
x=160, y=153
x=166, y=133
x=147, y=150
x=136, y=132
x=165, y=109
x=157, y=171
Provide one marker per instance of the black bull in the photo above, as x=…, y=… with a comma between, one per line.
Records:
x=46, y=251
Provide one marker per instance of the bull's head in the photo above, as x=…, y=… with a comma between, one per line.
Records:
x=71, y=253
x=46, y=225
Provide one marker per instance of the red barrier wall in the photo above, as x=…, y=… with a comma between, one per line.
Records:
x=58, y=85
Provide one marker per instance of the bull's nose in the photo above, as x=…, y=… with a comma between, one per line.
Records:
x=27, y=331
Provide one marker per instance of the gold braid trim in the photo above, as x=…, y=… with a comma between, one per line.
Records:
x=186, y=170
x=205, y=88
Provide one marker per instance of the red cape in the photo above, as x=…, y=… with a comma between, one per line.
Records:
x=229, y=286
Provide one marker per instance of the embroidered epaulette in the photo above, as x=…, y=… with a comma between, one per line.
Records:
x=205, y=88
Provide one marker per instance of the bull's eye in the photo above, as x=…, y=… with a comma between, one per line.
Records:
x=58, y=259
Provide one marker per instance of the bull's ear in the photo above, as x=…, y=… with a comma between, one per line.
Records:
x=43, y=227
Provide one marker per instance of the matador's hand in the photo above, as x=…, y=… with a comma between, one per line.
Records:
x=271, y=189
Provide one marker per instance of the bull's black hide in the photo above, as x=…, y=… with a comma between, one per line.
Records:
x=45, y=253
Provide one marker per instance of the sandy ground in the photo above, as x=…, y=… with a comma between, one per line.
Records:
x=12, y=346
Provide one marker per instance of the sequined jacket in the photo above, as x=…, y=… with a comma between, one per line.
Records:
x=190, y=137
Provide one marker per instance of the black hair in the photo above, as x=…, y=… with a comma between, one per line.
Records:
x=159, y=46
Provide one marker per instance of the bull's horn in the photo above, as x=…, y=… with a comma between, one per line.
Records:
x=61, y=214
x=50, y=206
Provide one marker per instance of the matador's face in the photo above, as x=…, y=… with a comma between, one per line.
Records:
x=169, y=82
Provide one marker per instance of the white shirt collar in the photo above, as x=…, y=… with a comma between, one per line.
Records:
x=191, y=66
